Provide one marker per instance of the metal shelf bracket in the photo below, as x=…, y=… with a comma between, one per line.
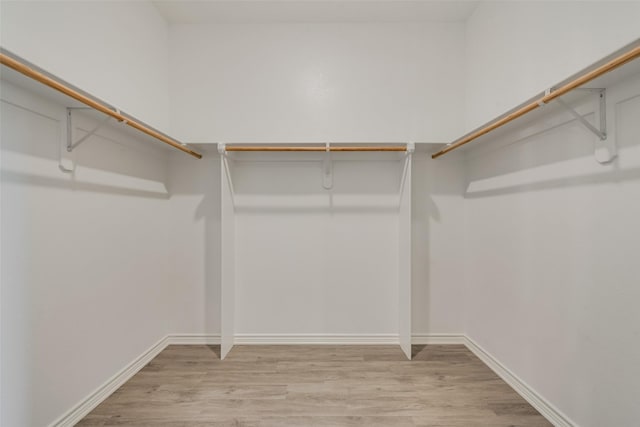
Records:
x=601, y=113
x=71, y=145
x=605, y=149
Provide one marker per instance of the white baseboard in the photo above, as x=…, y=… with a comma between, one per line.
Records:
x=80, y=410
x=319, y=339
x=437, y=339
x=193, y=339
x=550, y=412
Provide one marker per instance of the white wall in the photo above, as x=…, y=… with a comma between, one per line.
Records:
x=438, y=282
x=195, y=238
x=438, y=289
x=552, y=236
x=84, y=262
x=317, y=82
x=515, y=50
x=316, y=261
x=115, y=50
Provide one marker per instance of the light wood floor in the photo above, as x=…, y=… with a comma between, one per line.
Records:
x=315, y=386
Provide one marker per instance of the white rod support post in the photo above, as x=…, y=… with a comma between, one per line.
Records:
x=404, y=258
x=227, y=262
x=222, y=148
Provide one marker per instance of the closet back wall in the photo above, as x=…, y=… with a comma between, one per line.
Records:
x=314, y=261
x=317, y=82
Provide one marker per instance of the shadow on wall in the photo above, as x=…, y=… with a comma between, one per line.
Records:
x=77, y=246
x=107, y=162
x=195, y=237
x=437, y=189
x=423, y=210
x=293, y=183
x=560, y=156
x=209, y=211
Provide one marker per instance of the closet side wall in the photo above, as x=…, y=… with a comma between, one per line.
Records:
x=515, y=50
x=116, y=51
x=552, y=235
x=84, y=258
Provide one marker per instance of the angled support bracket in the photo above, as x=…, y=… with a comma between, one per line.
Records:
x=605, y=149
x=73, y=144
x=601, y=114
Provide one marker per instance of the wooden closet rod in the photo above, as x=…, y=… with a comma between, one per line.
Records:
x=616, y=62
x=315, y=148
x=60, y=86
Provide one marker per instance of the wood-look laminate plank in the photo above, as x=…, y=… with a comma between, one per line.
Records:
x=266, y=386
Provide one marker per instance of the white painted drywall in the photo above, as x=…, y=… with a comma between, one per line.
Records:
x=438, y=281
x=552, y=236
x=317, y=82
x=195, y=236
x=437, y=238
x=515, y=50
x=85, y=259
x=312, y=261
x=260, y=11
x=115, y=50
x=313, y=82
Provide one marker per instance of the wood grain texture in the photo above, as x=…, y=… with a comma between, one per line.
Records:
x=315, y=386
x=323, y=148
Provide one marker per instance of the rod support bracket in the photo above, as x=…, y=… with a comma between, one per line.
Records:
x=542, y=102
x=605, y=150
x=411, y=147
x=222, y=148
x=601, y=114
x=71, y=145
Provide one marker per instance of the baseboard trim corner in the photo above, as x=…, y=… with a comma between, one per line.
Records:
x=437, y=339
x=193, y=339
x=82, y=408
x=546, y=409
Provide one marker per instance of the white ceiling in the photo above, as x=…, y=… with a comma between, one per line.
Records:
x=263, y=11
